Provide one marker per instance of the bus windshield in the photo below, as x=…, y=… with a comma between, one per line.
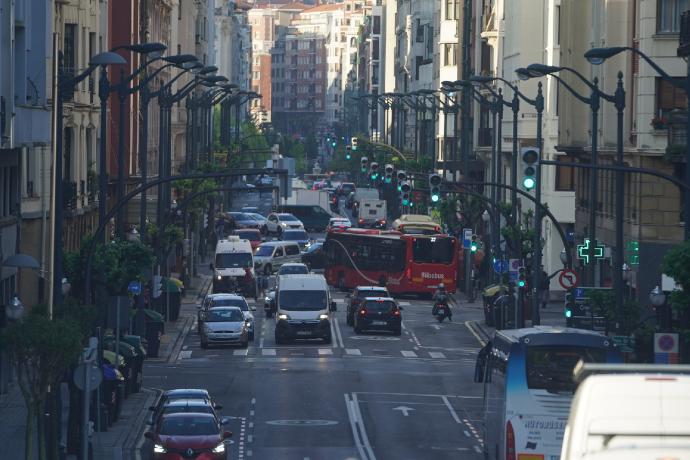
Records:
x=551, y=367
x=433, y=250
x=303, y=300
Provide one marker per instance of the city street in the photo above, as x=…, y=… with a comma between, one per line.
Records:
x=364, y=396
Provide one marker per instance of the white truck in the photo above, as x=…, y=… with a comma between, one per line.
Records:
x=309, y=198
x=372, y=213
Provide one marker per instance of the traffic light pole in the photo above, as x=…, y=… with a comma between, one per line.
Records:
x=536, y=243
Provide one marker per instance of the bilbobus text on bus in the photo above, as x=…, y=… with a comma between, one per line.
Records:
x=405, y=264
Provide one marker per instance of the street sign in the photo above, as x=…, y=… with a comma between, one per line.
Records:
x=500, y=266
x=583, y=251
x=665, y=348
x=134, y=287
x=626, y=343
x=579, y=293
x=568, y=279
x=513, y=269
x=95, y=376
x=466, y=238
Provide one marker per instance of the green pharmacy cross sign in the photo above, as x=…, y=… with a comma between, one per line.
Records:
x=583, y=251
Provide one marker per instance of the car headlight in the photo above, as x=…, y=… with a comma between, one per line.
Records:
x=219, y=449
x=267, y=299
x=283, y=316
x=159, y=449
x=283, y=224
x=219, y=277
x=323, y=316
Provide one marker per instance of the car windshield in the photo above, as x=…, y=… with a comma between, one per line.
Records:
x=551, y=367
x=230, y=302
x=188, y=426
x=224, y=315
x=287, y=218
x=234, y=260
x=266, y=251
x=302, y=300
x=293, y=270
x=373, y=293
x=295, y=236
x=203, y=408
x=381, y=306
x=315, y=247
x=257, y=217
x=240, y=216
x=248, y=235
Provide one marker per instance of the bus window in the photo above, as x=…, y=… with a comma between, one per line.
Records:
x=433, y=250
x=550, y=368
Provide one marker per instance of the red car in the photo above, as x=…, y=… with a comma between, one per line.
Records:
x=254, y=236
x=188, y=435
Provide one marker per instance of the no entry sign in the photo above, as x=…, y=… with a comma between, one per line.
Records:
x=568, y=279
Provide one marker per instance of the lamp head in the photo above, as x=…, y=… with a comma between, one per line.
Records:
x=523, y=74
x=209, y=69
x=541, y=70
x=153, y=49
x=180, y=59
x=597, y=56
x=107, y=58
x=657, y=297
x=215, y=79
x=193, y=66
x=447, y=83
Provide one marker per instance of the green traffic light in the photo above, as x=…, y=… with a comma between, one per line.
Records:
x=473, y=247
x=347, y=157
x=529, y=183
x=334, y=144
x=364, y=170
x=435, y=198
x=405, y=202
x=521, y=283
x=399, y=188
x=388, y=180
x=568, y=313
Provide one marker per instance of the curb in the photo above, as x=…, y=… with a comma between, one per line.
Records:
x=131, y=445
x=177, y=345
x=479, y=332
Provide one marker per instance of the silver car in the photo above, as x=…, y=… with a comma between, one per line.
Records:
x=224, y=325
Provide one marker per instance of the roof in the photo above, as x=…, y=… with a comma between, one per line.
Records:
x=224, y=295
x=380, y=299
x=293, y=264
x=301, y=282
x=188, y=402
x=553, y=335
x=226, y=307
x=277, y=243
x=178, y=391
x=324, y=8
x=371, y=288
x=187, y=414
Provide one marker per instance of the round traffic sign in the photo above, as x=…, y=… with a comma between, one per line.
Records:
x=95, y=377
x=666, y=342
x=568, y=279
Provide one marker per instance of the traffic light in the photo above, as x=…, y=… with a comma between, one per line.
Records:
x=348, y=152
x=435, y=187
x=405, y=189
x=402, y=177
x=530, y=157
x=474, y=244
x=522, y=278
x=388, y=170
x=364, y=164
x=353, y=142
x=157, y=286
x=374, y=170
x=334, y=143
x=569, y=306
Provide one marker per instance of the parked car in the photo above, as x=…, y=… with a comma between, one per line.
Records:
x=279, y=221
x=298, y=236
x=176, y=435
x=379, y=313
x=252, y=235
x=358, y=295
x=243, y=220
x=260, y=219
x=227, y=300
x=272, y=254
x=293, y=269
x=179, y=393
x=314, y=257
x=224, y=325
x=338, y=222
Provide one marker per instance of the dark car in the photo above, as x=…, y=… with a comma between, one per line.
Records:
x=346, y=188
x=188, y=435
x=314, y=256
x=243, y=220
x=299, y=236
x=179, y=393
x=358, y=295
x=380, y=313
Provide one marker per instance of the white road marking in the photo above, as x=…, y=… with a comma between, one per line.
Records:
x=358, y=429
x=436, y=326
x=450, y=408
x=353, y=351
x=437, y=355
x=242, y=352
x=467, y=433
x=261, y=343
x=408, y=354
x=481, y=341
x=404, y=410
x=478, y=449
x=185, y=354
x=250, y=438
x=268, y=351
x=325, y=351
x=184, y=347
x=404, y=304
x=418, y=394
x=339, y=333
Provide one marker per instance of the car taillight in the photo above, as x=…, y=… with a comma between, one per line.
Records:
x=510, y=442
x=396, y=313
x=363, y=312
x=437, y=228
x=382, y=221
x=361, y=221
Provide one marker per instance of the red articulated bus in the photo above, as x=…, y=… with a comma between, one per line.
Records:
x=406, y=264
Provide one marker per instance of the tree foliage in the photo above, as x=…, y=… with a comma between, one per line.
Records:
x=40, y=351
x=676, y=264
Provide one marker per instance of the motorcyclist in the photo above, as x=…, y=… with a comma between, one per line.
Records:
x=441, y=298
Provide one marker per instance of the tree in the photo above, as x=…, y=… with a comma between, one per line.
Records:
x=40, y=351
x=676, y=264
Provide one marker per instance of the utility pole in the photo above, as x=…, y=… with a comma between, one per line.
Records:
x=465, y=122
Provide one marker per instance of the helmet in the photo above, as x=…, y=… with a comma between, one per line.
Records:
x=441, y=286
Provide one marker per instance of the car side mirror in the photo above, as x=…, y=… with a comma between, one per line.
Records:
x=334, y=306
x=224, y=420
x=227, y=434
x=150, y=435
x=252, y=308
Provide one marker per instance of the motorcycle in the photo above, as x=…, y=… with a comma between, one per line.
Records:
x=441, y=311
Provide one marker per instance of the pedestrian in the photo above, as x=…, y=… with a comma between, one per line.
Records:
x=544, y=285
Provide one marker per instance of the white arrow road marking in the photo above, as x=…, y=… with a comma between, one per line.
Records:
x=242, y=352
x=436, y=326
x=404, y=409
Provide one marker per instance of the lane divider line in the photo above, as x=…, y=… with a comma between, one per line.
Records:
x=358, y=429
x=451, y=409
x=365, y=438
x=470, y=326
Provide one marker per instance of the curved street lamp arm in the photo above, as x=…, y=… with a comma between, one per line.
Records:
x=580, y=97
x=517, y=91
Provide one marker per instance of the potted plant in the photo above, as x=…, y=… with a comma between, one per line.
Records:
x=659, y=122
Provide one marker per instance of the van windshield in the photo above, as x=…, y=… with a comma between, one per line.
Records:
x=302, y=300
x=551, y=367
x=234, y=260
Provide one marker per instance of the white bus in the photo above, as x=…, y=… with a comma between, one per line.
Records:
x=528, y=387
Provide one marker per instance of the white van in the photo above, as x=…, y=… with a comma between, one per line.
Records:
x=372, y=213
x=269, y=256
x=303, y=308
x=629, y=411
x=233, y=266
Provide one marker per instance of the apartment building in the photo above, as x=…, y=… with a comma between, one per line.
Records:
x=232, y=43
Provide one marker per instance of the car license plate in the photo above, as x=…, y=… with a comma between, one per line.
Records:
x=303, y=333
x=378, y=323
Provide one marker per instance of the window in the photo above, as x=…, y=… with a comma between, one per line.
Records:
x=449, y=54
x=668, y=15
x=668, y=98
x=377, y=25
x=70, y=48
x=433, y=251
x=420, y=31
x=292, y=250
x=452, y=10
x=565, y=175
